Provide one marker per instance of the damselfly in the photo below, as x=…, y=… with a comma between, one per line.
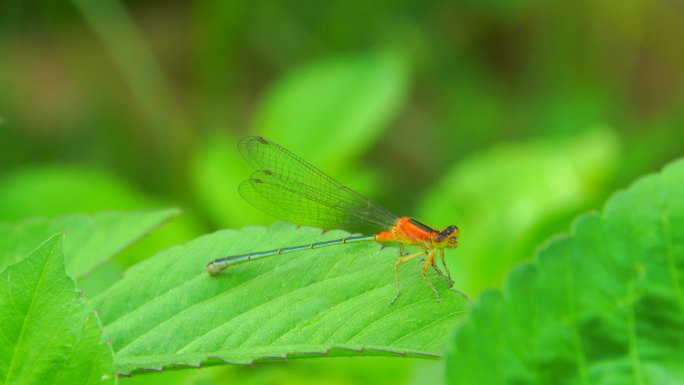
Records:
x=291, y=189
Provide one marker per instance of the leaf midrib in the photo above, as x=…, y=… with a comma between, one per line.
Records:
x=39, y=283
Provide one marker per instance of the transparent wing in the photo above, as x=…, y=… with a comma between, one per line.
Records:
x=291, y=189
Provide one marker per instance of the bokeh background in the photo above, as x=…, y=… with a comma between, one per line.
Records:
x=507, y=118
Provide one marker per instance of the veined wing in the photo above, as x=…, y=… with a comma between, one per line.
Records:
x=293, y=190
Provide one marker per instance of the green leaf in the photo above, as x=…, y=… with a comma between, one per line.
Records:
x=49, y=191
x=603, y=305
x=498, y=198
x=92, y=239
x=56, y=190
x=167, y=311
x=48, y=335
x=218, y=170
x=331, y=111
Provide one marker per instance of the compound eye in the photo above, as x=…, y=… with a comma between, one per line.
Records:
x=452, y=239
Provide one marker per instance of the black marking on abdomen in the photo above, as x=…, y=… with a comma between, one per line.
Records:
x=421, y=225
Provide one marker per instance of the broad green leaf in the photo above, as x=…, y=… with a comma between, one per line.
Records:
x=500, y=197
x=603, y=305
x=92, y=239
x=331, y=111
x=218, y=170
x=48, y=335
x=56, y=190
x=167, y=311
x=50, y=191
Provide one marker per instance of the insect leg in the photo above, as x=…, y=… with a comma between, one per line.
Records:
x=399, y=261
x=447, y=277
x=430, y=261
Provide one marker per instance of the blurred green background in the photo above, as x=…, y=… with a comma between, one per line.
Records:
x=507, y=118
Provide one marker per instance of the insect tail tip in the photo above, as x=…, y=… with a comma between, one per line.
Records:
x=212, y=269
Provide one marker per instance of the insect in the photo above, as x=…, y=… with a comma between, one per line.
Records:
x=291, y=189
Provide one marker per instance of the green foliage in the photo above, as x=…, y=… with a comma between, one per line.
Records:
x=114, y=105
x=55, y=190
x=93, y=239
x=603, y=305
x=217, y=171
x=48, y=334
x=168, y=311
x=335, y=108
